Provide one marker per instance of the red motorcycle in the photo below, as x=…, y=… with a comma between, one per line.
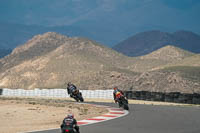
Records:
x=122, y=101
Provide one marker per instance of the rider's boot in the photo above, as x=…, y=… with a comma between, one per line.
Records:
x=77, y=129
x=120, y=104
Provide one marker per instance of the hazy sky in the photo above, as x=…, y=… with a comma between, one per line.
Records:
x=102, y=18
x=42, y=12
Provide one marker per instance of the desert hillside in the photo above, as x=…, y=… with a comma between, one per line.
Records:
x=51, y=60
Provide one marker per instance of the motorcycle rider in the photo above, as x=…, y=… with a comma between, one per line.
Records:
x=117, y=92
x=71, y=121
x=70, y=88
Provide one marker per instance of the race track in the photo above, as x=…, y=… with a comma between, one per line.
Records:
x=148, y=119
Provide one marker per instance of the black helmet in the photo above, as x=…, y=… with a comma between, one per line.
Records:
x=69, y=84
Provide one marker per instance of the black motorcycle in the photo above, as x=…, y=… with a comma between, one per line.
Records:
x=123, y=102
x=77, y=95
x=68, y=129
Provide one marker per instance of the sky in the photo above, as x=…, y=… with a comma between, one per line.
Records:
x=108, y=20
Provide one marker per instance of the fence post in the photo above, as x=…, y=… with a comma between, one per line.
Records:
x=143, y=95
x=196, y=98
x=148, y=96
x=1, y=91
x=169, y=97
x=129, y=94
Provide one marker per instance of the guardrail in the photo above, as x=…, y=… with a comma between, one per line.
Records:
x=175, y=97
x=60, y=93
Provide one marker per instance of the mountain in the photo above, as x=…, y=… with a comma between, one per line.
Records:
x=147, y=42
x=50, y=60
x=191, y=61
x=182, y=79
x=165, y=56
x=168, y=53
x=187, y=40
x=121, y=18
x=168, y=69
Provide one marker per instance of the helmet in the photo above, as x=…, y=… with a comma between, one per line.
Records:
x=69, y=83
x=115, y=88
x=70, y=116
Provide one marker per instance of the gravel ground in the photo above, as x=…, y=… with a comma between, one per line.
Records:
x=27, y=114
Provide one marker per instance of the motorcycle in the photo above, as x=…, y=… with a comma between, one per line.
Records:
x=122, y=101
x=68, y=129
x=77, y=95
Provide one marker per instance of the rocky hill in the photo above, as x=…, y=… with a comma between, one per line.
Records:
x=173, y=79
x=190, y=61
x=147, y=42
x=168, y=53
x=179, y=72
x=51, y=60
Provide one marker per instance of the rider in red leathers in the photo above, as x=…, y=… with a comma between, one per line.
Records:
x=117, y=93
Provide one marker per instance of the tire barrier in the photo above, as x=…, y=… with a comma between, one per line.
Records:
x=1, y=91
x=175, y=97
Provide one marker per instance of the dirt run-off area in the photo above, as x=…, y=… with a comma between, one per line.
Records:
x=28, y=114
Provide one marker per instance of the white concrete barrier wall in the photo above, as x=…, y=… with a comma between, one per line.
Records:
x=60, y=93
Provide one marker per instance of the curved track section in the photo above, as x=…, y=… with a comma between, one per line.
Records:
x=113, y=113
x=148, y=119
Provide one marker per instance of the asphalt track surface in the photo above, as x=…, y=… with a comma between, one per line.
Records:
x=147, y=119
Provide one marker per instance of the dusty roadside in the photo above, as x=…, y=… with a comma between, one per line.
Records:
x=26, y=114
